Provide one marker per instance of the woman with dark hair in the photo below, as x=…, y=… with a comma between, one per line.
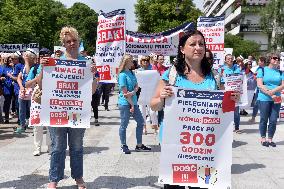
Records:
x=8, y=87
x=193, y=71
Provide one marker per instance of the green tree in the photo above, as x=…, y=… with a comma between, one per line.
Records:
x=241, y=46
x=84, y=19
x=160, y=15
x=28, y=21
x=272, y=22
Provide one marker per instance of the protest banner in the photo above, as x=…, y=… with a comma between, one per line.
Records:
x=197, y=140
x=164, y=43
x=110, y=45
x=35, y=114
x=10, y=48
x=214, y=31
x=237, y=82
x=66, y=94
x=148, y=81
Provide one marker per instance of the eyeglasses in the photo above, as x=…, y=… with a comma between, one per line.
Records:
x=145, y=59
x=275, y=58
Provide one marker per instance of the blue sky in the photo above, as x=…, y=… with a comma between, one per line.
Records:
x=110, y=5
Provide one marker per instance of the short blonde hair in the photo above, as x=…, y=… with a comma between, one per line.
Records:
x=123, y=62
x=68, y=30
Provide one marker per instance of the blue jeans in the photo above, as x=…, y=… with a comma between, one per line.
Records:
x=255, y=109
x=125, y=116
x=24, y=111
x=237, y=118
x=268, y=110
x=58, y=154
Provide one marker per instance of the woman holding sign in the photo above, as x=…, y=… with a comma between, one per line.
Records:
x=70, y=39
x=270, y=82
x=127, y=100
x=191, y=70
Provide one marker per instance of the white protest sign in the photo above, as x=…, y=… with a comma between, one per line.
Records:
x=228, y=51
x=66, y=94
x=110, y=45
x=237, y=82
x=214, y=31
x=147, y=81
x=197, y=140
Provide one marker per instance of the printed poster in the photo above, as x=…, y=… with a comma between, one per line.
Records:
x=66, y=94
x=110, y=45
x=237, y=82
x=197, y=140
x=164, y=43
x=214, y=32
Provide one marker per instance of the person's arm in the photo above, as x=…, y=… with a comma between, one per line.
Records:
x=20, y=81
x=261, y=86
x=94, y=85
x=12, y=77
x=278, y=89
x=162, y=92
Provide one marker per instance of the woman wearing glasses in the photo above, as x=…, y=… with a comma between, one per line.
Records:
x=270, y=82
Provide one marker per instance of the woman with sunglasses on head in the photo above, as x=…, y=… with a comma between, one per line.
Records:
x=145, y=65
x=270, y=81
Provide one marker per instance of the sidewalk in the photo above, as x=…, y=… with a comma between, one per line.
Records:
x=105, y=166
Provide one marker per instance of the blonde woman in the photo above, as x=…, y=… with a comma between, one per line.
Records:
x=70, y=40
x=128, y=87
x=25, y=93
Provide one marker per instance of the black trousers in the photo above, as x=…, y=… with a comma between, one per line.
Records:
x=6, y=107
x=106, y=89
x=95, y=104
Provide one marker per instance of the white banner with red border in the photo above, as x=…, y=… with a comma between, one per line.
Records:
x=66, y=94
x=197, y=140
x=213, y=29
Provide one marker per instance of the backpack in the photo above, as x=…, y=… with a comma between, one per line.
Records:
x=35, y=69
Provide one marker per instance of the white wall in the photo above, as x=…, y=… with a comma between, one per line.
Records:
x=259, y=38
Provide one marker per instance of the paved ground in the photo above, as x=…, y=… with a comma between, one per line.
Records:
x=254, y=166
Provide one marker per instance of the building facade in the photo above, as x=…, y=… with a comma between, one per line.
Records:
x=241, y=18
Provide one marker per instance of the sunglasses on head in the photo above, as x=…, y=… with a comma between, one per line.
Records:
x=275, y=58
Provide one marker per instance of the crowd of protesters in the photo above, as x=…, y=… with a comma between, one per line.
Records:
x=21, y=72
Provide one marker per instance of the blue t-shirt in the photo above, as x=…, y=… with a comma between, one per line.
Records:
x=31, y=74
x=271, y=78
x=126, y=79
x=24, y=76
x=8, y=82
x=208, y=83
x=224, y=70
x=17, y=69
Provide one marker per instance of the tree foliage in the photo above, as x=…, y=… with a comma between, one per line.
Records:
x=84, y=19
x=272, y=18
x=40, y=21
x=160, y=15
x=241, y=46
